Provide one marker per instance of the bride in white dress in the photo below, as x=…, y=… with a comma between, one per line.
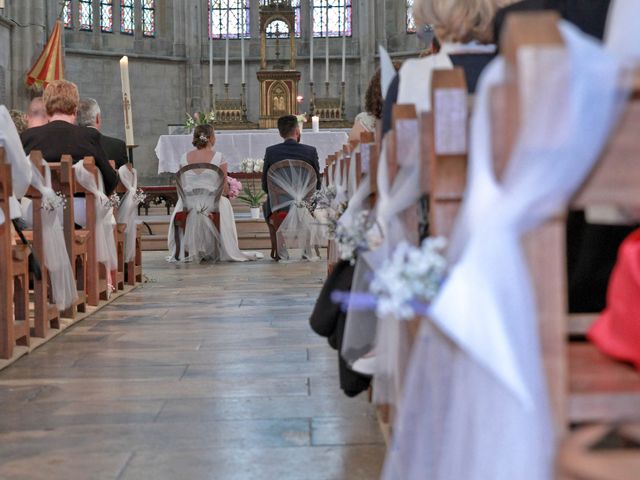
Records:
x=204, y=140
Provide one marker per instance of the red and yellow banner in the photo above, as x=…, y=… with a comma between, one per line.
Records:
x=49, y=65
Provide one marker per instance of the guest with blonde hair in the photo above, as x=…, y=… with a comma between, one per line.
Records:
x=61, y=136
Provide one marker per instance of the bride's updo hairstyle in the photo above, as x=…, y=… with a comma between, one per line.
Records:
x=201, y=136
x=459, y=20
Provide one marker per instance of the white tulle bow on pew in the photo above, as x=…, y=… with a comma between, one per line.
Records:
x=106, y=252
x=127, y=210
x=475, y=404
x=56, y=257
x=20, y=164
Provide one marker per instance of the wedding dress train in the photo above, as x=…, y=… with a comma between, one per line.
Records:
x=228, y=235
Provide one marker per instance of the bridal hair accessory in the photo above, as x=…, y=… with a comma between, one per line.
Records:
x=53, y=202
x=408, y=281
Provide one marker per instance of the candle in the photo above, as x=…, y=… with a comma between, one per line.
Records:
x=326, y=63
x=311, y=47
x=210, y=46
x=126, y=100
x=315, y=123
x=242, y=54
x=344, y=44
x=226, y=54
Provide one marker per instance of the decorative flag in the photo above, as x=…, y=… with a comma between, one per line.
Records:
x=49, y=65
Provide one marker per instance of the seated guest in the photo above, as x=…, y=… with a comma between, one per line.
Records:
x=62, y=137
x=290, y=149
x=89, y=116
x=366, y=121
x=37, y=114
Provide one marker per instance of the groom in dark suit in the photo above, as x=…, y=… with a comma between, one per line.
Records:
x=290, y=149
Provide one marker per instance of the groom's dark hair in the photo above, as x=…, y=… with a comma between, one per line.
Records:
x=287, y=125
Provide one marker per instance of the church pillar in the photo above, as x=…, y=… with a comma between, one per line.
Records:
x=195, y=17
x=366, y=18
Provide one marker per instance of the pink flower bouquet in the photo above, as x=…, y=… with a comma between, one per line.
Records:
x=235, y=187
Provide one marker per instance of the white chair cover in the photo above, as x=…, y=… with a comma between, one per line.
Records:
x=56, y=257
x=106, y=252
x=200, y=193
x=389, y=338
x=475, y=404
x=20, y=164
x=127, y=210
x=296, y=182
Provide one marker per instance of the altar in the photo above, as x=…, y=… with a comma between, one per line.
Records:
x=235, y=146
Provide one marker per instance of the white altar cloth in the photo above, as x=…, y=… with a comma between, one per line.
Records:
x=235, y=146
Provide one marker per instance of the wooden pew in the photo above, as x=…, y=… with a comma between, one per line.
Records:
x=14, y=275
x=75, y=239
x=584, y=384
x=46, y=315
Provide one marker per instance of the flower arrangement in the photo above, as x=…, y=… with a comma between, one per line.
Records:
x=113, y=201
x=354, y=238
x=200, y=118
x=323, y=198
x=252, y=165
x=51, y=203
x=139, y=197
x=410, y=279
x=235, y=187
x=302, y=118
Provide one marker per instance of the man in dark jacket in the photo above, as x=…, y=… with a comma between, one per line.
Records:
x=290, y=149
x=89, y=115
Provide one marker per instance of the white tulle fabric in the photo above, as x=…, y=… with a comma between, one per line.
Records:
x=20, y=164
x=56, y=257
x=299, y=229
x=363, y=331
x=200, y=195
x=127, y=210
x=106, y=252
x=475, y=404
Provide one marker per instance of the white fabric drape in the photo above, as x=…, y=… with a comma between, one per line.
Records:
x=56, y=257
x=20, y=164
x=299, y=229
x=127, y=210
x=475, y=404
x=106, y=252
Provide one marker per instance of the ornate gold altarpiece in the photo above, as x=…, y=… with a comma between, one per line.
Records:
x=278, y=85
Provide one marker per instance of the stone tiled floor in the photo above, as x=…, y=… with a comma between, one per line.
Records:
x=207, y=372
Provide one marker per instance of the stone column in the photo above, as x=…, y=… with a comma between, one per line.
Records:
x=195, y=17
x=367, y=13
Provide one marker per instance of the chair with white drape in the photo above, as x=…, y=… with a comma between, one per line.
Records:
x=127, y=215
x=197, y=217
x=291, y=184
x=102, y=256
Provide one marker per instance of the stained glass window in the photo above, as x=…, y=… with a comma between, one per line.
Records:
x=271, y=28
x=149, y=18
x=233, y=14
x=410, y=23
x=332, y=17
x=106, y=15
x=85, y=14
x=126, y=17
x=67, y=17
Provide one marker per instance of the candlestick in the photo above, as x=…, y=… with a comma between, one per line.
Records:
x=243, y=101
x=311, y=47
x=226, y=54
x=315, y=123
x=210, y=45
x=126, y=100
x=344, y=44
x=326, y=63
x=242, y=55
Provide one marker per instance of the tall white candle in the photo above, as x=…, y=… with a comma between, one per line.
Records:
x=315, y=123
x=344, y=43
x=226, y=54
x=126, y=100
x=326, y=62
x=311, y=44
x=210, y=45
x=242, y=53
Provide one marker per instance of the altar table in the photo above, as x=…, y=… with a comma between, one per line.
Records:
x=235, y=146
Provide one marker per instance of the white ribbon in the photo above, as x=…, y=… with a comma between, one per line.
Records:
x=127, y=210
x=475, y=404
x=56, y=257
x=106, y=252
x=20, y=164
